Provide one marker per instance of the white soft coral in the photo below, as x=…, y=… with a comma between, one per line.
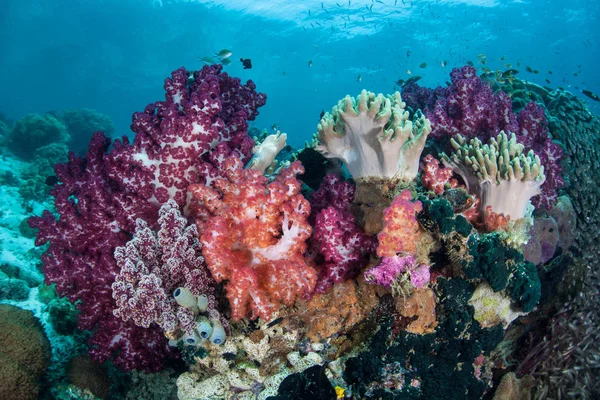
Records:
x=499, y=173
x=373, y=136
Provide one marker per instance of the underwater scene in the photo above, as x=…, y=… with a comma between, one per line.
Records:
x=352, y=199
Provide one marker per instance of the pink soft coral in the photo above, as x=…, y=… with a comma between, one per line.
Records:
x=401, y=228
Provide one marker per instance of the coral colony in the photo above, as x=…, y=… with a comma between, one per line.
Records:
x=194, y=241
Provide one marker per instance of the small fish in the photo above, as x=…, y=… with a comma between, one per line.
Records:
x=590, y=95
x=283, y=73
x=486, y=70
x=550, y=72
x=246, y=62
x=413, y=79
x=226, y=61
x=408, y=53
x=481, y=56
x=322, y=114
x=443, y=63
x=408, y=71
x=275, y=126
x=548, y=81
x=229, y=356
x=448, y=83
x=483, y=61
x=224, y=53
x=423, y=65
x=535, y=71
x=399, y=83
x=274, y=322
x=359, y=78
x=511, y=72
x=502, y=58
x=575, y=74
x=208, y=60
x=528, y=68
x=470, y=63
x=51, y=180
x=310, y=63
x=508, y=65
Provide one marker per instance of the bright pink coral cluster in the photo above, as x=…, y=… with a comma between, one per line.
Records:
x=181, y=140
x=253, y=234
x=153, y=265
x=343, y=246
x=401, y=227
x=390, y=268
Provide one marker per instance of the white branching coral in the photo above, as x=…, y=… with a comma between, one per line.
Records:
x=373, y=136
x=499, y=173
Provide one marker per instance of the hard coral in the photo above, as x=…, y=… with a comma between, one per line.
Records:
x=34, y=131
x=253, y=234
x=181, y=140
x=24, y=354
x=373, y=136
x=338, y=310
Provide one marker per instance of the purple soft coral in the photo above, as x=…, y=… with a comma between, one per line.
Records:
x=469, y=107
x=153, y=266
x=179, y=141
x=343, y=246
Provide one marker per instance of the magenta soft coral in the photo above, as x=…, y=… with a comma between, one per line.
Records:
x=343, y=246
x=182, y=140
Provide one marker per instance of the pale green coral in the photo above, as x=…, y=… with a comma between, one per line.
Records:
x=500, y=174
x=374, y=137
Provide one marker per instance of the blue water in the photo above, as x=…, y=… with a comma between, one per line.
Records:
x=113, y=55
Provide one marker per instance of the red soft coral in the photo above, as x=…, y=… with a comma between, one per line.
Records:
x=253, y=234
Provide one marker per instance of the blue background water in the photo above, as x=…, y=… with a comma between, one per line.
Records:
x=113, y=55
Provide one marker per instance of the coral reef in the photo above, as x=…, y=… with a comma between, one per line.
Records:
x=24, y=354
x=425, y=366
x=181, y=140
x=470, y=107
x=82, y=123
x=34, y=131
